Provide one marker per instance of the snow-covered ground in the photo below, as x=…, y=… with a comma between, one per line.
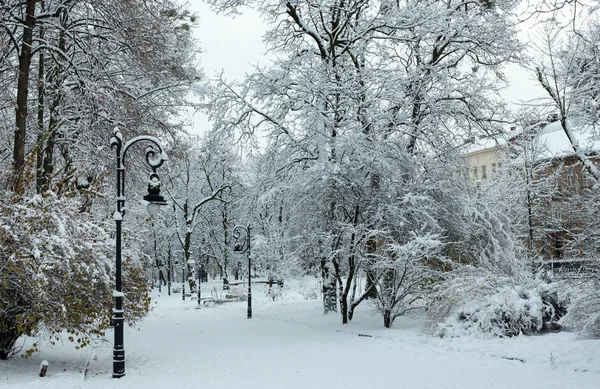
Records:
x=290, y=344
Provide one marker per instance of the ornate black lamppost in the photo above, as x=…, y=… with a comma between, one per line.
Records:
x=155, y=157
x=241, y=241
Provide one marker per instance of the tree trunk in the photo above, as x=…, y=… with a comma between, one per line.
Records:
x=57, y=96
x=387, y=297
x=22, y=95
x=8, y=338
x=191, y=271
x=387, y=318
x=40, y=120
x=344, y=308
x=225, y=224
x=350, y=279
x=371, y=286
x=329, y=292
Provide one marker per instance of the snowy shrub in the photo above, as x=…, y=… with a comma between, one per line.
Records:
x=484, y=303
x=308, y=293
x=405, y=276
x=236, y=294
x=56, y=272
x=583, y=314
x=216, y=295
x=274, y=292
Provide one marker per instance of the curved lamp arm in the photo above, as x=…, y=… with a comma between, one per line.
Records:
x=154, y=157
x=241, y=241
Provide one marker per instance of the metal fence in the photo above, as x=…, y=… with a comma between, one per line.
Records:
x=569, y=267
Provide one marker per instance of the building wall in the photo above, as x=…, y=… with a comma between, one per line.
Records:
x=563, y=215
x=483, y=164
x=558, y=214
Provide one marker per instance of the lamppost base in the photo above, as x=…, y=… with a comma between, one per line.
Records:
x=249, y=305
x=119, y=368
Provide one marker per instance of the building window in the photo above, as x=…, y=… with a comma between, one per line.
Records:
x=494, y=168
x=475, y=175
x=570, y=177
x=484, y=172
x=558, y=247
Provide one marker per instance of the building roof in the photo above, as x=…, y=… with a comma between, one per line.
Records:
x=550, y=142
x=477, y=145
x=553, y=142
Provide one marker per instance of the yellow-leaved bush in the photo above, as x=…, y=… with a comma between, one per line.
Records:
x=57, y=272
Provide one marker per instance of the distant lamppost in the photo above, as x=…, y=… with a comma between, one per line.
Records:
x=241, y=241
x=155, y=157
x=183, y=280
x=169, y=270
x=199, y=274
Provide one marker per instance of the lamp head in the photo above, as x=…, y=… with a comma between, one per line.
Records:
x=154, y=199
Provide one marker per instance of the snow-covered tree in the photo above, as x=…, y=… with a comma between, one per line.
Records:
x=196, y=180
x=96, y=64
x=70, y=70
x=355, y=91
x=566, y=70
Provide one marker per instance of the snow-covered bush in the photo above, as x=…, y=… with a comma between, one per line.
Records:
x=404, y=278
x=56, y=272
x=274, y=292
x=236, y=293
x=308, y=292
x=480, y=302
x=583, y=314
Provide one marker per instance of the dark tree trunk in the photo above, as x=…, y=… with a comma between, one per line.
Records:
x=329, y=292
x=55, y=78
x=345, y=291
x=387, y=297
x=344, y=308
x=225, y=224
x=22, y=95
x=39, y=183
x=371, y=285
x=8, y=338
x=191, y=271
x=387, y=318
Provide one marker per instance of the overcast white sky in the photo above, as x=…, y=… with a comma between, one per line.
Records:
x=234, y=45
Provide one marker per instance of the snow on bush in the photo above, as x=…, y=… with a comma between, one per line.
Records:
x=481, y=303
x=57, y=272
x=583, y=314
x=275, y=292
x=308, y=292
x=236, y=293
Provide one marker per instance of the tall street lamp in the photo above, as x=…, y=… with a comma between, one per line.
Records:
x=155, y=157
x=241, y=241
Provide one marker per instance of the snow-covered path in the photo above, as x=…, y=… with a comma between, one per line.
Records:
x=290, y=344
